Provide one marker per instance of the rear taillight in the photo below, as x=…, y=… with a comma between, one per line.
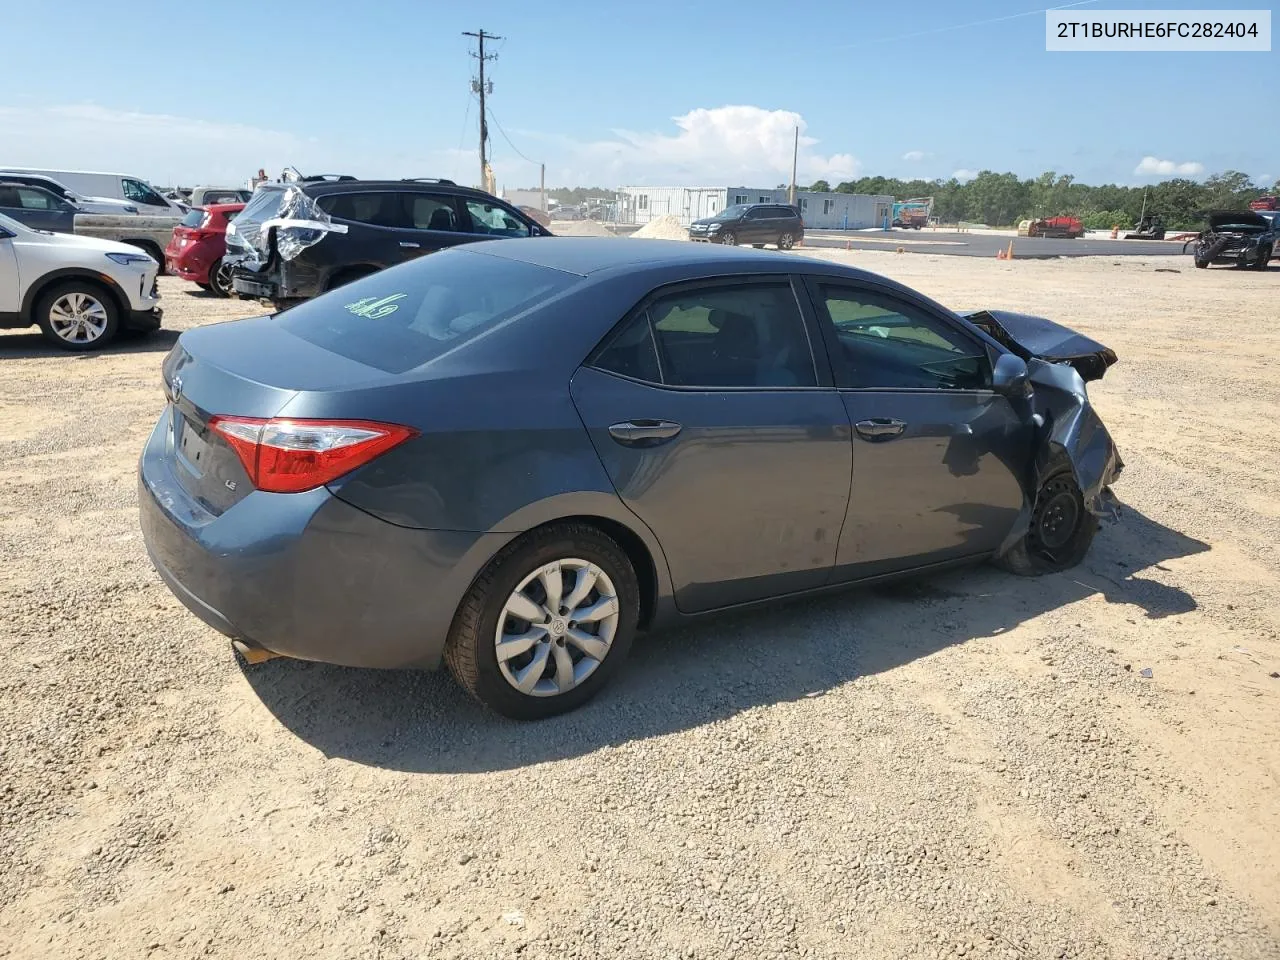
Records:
x=289, y=456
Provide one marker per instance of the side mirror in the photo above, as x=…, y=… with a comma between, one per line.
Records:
x=1010, y=376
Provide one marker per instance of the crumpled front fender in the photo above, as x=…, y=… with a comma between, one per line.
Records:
x=1072, y=431
x=1068, y=430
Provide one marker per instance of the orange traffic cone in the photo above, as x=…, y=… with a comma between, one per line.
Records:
x=1010, y=254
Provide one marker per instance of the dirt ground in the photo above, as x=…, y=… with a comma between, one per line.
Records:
x=973, y=764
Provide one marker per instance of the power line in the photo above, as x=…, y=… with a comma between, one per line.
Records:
x=508, y=139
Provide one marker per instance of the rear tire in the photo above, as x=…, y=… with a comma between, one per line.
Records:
x=219, y=279
x=78, y=315
x=1061, y=530
x=786, y=241
x=516, y=577
x=1264, y=255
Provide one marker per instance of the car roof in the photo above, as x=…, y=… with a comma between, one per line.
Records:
x=587, y=255
x=320, y=187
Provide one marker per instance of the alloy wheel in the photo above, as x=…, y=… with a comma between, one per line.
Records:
x=220, y=279
x=557, y=627
x=78, y=318
x=729, y=237
x=786, y=242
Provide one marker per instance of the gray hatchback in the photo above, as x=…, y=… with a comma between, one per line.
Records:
x=514, y=455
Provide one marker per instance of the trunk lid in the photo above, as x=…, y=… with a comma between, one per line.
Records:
x=245, y=368
x=1030, y=336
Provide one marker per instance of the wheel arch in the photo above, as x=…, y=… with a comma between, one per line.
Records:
x=636, y=541
x=37, y=289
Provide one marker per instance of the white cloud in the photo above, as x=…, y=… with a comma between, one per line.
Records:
x=722, y=145
x=914, y=156
x=719, y=146
x=169, y=149
x=1153, y=167
x=964, y=175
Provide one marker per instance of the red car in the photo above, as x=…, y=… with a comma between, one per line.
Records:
x=198, y=244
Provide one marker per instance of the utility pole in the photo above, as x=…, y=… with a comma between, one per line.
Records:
x=479, y=86
x=542, y=185
x=795, y=155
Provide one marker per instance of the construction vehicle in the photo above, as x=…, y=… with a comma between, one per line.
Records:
x=1150, y=227
x=912, y=214
x=1061, y=226
x=1265, y=203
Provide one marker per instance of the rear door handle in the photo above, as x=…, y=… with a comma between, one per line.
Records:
x=879, y=428
x=408, y=245
x=644, y=433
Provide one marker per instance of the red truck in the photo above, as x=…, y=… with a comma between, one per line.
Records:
x=1265, y=203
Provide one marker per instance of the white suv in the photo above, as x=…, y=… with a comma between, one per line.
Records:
x=80, y=291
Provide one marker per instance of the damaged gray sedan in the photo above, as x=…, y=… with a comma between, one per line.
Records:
x=510, y=457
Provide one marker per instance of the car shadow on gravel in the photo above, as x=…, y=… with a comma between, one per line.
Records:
x=696, y=675
x=33, y=345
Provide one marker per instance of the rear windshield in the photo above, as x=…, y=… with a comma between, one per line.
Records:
x=407, y=316
x=194, y=217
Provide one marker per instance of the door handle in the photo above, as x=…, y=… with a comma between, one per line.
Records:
x=879, y=428
x=408, y=245
x=644, y=433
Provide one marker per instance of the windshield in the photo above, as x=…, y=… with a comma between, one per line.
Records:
x=404, y=317
x=733, y=212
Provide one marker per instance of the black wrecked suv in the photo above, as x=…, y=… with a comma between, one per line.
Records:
x=296, y=240
x=753, y=223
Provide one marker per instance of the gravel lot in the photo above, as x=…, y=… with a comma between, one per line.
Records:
x=967, y=765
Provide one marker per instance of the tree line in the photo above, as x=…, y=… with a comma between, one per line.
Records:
x=1001, y=199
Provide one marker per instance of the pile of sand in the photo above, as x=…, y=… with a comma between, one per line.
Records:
x=663, y=228
x=580, y=228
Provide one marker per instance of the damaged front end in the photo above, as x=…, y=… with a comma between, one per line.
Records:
x=1068, y=429
x=277, y=224
x=1243, y=238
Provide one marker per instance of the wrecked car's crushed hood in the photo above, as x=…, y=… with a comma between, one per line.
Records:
x=1030, y=337
x=1241, y=220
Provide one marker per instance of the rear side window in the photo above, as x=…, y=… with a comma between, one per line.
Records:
x=194, y=217
x=727, y=335
x=428, y=211
x=402, y=318
x=8, y=197
x=378, y=209
x=631, y=352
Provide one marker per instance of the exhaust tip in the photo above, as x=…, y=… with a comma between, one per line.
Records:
x=253, y=655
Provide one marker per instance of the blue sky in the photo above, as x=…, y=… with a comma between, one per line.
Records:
x=617, y=91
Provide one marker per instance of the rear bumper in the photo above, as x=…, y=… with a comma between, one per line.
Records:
x=254, y=286
x=191, y=262
x=307, y=575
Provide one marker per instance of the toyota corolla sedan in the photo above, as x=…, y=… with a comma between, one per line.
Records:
x=512, y=456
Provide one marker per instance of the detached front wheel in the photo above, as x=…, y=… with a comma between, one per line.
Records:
x=541, y=631
x=1060, y=533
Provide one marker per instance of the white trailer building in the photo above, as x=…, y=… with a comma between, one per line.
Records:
x=821, y=211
